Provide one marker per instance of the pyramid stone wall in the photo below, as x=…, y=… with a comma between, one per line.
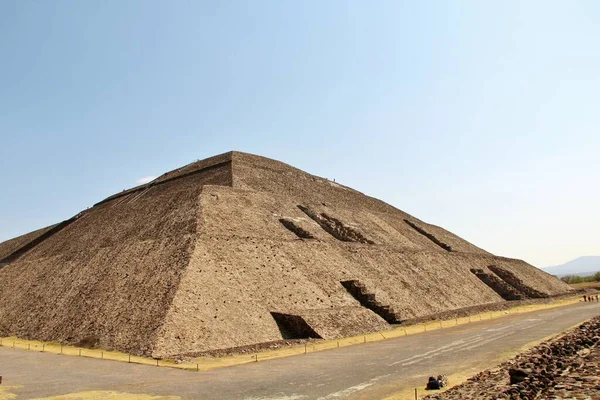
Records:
x=259, y=266
x=199, y=260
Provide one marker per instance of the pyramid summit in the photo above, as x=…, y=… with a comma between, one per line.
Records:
x=236, y=250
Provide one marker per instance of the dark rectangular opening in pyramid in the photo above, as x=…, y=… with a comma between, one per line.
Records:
x=294, y=326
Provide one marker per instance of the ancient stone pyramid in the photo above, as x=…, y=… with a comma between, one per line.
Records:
x=236, y=250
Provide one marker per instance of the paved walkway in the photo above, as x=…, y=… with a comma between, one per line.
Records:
x=372, y=370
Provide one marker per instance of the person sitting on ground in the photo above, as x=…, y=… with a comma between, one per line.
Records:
x=433, y=384
x=443, y=380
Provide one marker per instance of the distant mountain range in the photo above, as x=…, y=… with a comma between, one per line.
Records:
x=582, y=266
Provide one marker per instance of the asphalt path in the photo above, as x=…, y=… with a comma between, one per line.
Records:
x=366, y=371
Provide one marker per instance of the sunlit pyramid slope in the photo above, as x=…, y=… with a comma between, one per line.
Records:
x=237, y=250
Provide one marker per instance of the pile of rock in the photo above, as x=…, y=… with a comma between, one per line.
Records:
x=564, y=368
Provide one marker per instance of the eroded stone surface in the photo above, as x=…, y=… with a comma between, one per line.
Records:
x=198, y=259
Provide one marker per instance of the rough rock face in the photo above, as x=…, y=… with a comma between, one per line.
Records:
x=10, y=246
x=565, y=368
x=201, y=258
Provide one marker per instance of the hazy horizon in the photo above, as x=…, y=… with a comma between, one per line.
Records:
x=480, y=118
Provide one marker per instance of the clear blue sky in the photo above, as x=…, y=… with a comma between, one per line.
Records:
x=481, y=117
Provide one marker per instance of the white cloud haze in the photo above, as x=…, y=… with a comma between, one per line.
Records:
x=146, y=179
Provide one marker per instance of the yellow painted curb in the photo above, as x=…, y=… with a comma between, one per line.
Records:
x=208, y=363
x=6, y=392
x=107, y=395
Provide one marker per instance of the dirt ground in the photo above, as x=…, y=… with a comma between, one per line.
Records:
x=586, y=285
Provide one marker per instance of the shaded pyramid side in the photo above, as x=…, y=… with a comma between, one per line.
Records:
x=110, y=275
x=10, y=246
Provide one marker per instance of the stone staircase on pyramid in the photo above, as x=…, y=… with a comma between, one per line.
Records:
x=360, y=292
x=504, y=290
